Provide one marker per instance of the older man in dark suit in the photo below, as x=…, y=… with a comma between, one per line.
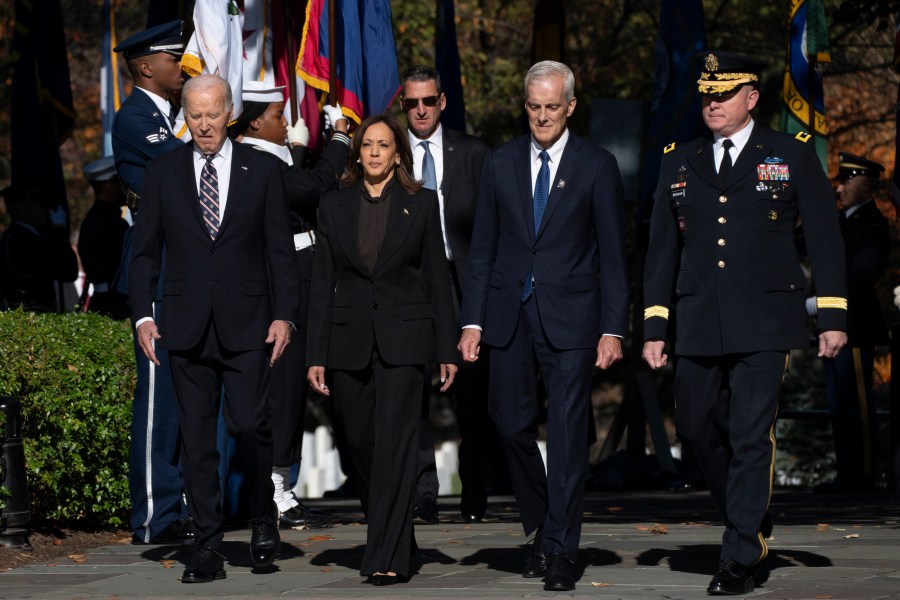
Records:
x=450, y=163
x=231, y=293
x=547, y=281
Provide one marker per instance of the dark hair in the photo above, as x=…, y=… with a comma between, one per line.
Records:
x=404, y=171
x=424, y=73
x=251, y=112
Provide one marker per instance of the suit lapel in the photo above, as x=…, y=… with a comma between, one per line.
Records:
x=240, y=174
x=567, y=164
x=187, y=181
x=449, y=154
x=523, y=176
x=754, y=152
x=703, y=163
x=400, y=218
x=347, y=234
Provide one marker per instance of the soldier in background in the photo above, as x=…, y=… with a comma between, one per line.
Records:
x=100, y=240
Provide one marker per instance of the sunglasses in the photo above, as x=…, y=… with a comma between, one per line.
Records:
x=429, y=101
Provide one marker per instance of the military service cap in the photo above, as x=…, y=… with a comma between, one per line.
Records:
x=161, y=38
x=260, y=91
x=851, y=166
x=102, y=169
x=724, y=72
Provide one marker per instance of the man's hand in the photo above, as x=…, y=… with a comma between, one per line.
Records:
x=653, y=353
x=316, y=378
x=469, y=344
x=280, y=333
x=831, y=342
x=448, y=374
x=147, y=333
x=609, y=351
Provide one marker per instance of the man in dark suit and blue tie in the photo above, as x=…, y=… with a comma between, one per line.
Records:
x=232, y=295
x=547, y=283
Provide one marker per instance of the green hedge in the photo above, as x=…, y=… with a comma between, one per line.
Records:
x=74, y=374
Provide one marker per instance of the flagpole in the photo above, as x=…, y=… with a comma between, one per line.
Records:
x=291, y=51
x=811, y=86
x=332, y=53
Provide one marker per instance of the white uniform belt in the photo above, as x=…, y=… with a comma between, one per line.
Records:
x=304, y=240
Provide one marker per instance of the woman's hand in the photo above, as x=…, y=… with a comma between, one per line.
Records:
x=448, y=374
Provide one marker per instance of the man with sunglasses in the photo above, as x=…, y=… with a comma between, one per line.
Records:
x=450, y=163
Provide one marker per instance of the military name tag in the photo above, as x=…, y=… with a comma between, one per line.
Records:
x=679, y=193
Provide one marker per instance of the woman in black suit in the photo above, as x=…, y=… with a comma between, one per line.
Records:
x=380, y=310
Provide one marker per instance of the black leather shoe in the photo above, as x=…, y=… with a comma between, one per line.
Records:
x=732, y=579
x=472, y=507
x=180, y=531
x=536, y=561
x=264, y=543
x=425, y=512
x=560, y=574
x=206, y=565
x=382, y=579
x=300, y=517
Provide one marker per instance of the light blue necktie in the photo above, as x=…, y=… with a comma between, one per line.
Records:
x=428, y=173
x=541, y=192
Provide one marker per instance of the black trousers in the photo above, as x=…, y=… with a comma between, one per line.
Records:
x=198, y=375
x=848, y=386
x=725, y=408
x=551, y=500
x=378, y=409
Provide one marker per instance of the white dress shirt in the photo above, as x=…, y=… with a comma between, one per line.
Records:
x=555, y=151
x=739, y=140
x=161, y=103
x=222, y=163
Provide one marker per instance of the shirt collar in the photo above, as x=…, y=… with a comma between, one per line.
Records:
x=855, y=207
x=278, y=150
x=739, y=138
x=161, y=103
x=224, y=152
x=436, y=138
x=555, y=151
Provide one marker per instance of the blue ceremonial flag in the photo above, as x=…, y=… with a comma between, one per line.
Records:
x=110, y=79
x=42, y=110
x=366, y=62
x=675, y=108
x=803, y=96
x=446, y=54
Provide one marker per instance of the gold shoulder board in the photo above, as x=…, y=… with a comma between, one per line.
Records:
x=802, y=136
x=669, y=148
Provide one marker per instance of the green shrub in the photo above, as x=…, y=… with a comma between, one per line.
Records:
x=74, y=374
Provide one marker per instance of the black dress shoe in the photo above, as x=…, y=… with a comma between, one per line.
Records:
x=180, y=531
x=536, y=561
x=472, y=507
x=732, y=579
x=560, y=573
x=300, y=517
x=206, y=565
x=264, y=543
x=382, y=579
x=425, y=512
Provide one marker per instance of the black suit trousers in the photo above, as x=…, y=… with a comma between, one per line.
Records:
x=725, y=409
x=552, y=500
x=379, y=408
x=199, y=375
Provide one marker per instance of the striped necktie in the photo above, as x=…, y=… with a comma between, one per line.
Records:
x=209, y=196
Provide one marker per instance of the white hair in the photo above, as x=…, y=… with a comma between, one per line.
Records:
x=551, y=68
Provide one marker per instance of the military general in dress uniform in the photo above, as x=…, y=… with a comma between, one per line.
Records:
x=723, y=276
x=848, y=376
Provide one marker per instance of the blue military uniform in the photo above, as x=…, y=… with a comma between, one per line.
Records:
x=140, y=133
x=723, y=277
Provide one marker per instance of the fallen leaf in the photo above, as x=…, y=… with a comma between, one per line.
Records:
x=852, y=536
x=856, y=526
x=823, y=525
x=72, y=368
x=326, y=570
x=613, y=508
x=824, y=596
x=52, y=565
x=320, y=538
x=167, y=562
x=599, y=584
x=57, y=542
x=168, y=566
x=456, y=542
x=124, y=540
x=75, y=556
x=661, y=530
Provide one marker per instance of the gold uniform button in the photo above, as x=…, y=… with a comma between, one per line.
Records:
x=721, y=264
x=723, y=199
x=723, y=220
x=721, y=242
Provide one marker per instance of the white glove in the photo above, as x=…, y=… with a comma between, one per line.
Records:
x=811, y=307
x=298, y=133
x=333, y=114
x=897, y=296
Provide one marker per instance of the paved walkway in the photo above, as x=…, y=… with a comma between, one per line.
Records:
x=634, y=546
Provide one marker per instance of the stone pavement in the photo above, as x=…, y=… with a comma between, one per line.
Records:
x=645, y=545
